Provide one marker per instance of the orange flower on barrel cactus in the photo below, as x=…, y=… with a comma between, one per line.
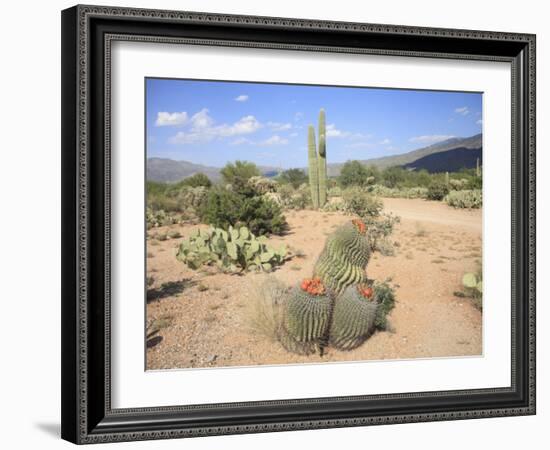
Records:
x=313, y=286
x=360, y=225
x=365, y=291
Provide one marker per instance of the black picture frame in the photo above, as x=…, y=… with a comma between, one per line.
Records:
x=87, y=415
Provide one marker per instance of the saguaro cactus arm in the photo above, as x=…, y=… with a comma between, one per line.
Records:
x=322, y=161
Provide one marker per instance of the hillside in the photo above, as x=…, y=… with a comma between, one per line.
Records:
x=447, y=161
x=470, y=143
x=453, y=154
x=169, y=170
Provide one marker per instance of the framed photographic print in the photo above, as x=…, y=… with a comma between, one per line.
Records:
x=278, y=224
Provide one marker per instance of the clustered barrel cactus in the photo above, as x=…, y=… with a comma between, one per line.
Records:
x=339, y=305
x=232, y=250
x=354, y=317
x=317, y=163
x=306, y=318
x=345, y=256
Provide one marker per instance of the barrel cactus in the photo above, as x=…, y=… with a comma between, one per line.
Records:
x=306, y=318
x=354, y=317
x=344, y=258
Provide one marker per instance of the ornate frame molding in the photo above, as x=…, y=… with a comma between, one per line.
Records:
x=80, y=419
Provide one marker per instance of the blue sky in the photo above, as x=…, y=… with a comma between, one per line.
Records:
x=211, y=122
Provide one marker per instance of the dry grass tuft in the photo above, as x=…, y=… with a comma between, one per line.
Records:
x=265, y=309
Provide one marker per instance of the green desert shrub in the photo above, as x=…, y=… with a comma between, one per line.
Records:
x=360, y=203
x=384, y=296
x=378, y=233
x=294, y=177
x=353, y=173
x=336, y=205
x=262, y=216
x=393, y=176
x=238, y=173
x=437, y=191
x=262, y=185
x=335, y=191
x=404, y=192
x=223, y=208
x=296, y=199
x=465, y=199
x=196, y=180
x=160, y=218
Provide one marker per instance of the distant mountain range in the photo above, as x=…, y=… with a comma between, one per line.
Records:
x=448, y=160
x=407, y=159
x=450, y=155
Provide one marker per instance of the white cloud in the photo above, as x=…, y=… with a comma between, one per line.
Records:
x=293, y=134
x=183, y=137
x=298, y=116
x=241, y=98
x=278, y=126
x=274, y=140
x=430, y=139
x=241, y=141
x=332, y=131
x=201, y=119
x=166, y=119
x=463, y=111
x=245, y=125
x=385, y=142
x=203, y=129
x=480, y=122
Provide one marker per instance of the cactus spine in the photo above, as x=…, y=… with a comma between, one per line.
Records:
x=354, y=317
x=313, y=170
x=344, y=258
x=322, y=161
x=306, y=318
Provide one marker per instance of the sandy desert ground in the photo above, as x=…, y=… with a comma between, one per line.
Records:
x=204, y=316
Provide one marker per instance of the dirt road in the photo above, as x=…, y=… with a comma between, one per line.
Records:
x=204, y=315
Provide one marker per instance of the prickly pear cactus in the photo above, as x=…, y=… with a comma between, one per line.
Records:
x=354, y=317
x=306, y=318
x=345, y=256
x=232, y=250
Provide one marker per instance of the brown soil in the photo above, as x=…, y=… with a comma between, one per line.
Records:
x=204, y=316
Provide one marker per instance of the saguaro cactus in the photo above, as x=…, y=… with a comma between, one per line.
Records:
x=478, y=172
x=312, y=167
x=322, y=161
